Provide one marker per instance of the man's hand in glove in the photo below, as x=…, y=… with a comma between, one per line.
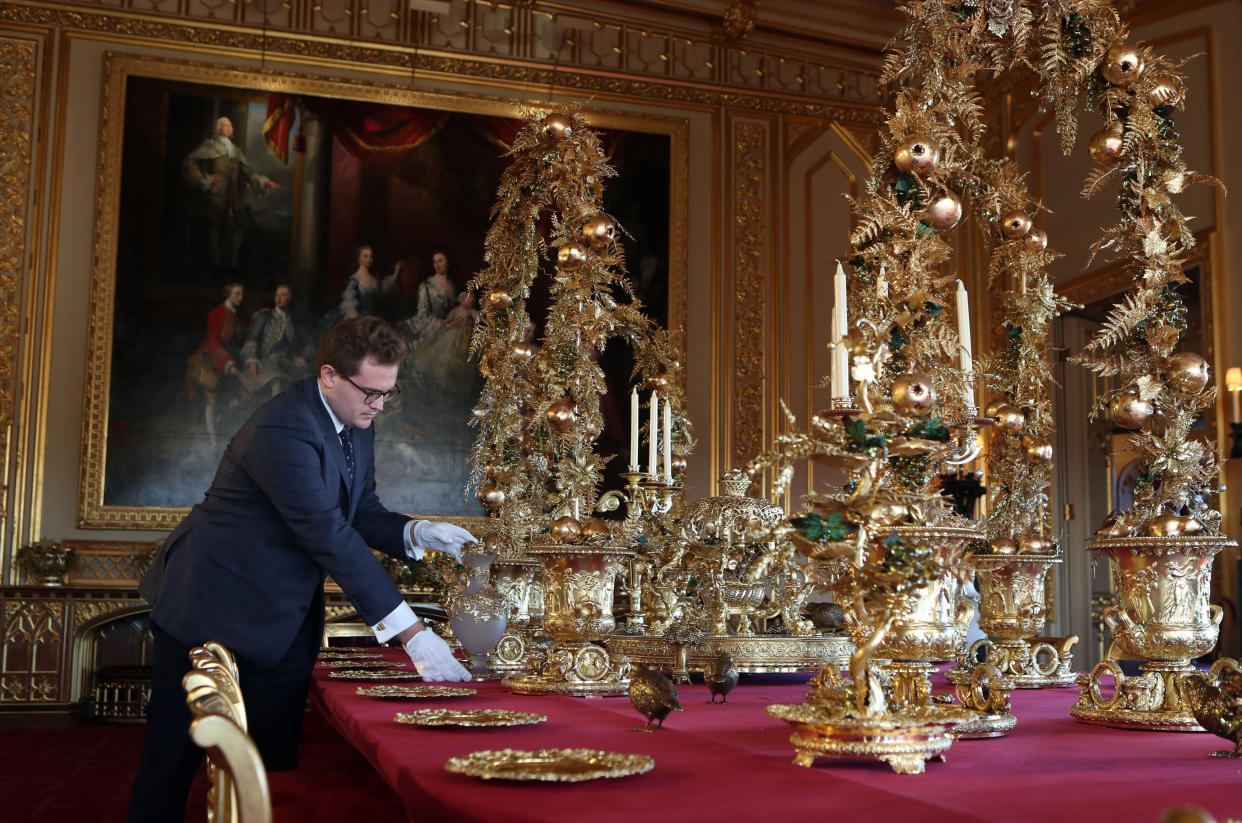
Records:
x=437, y=536
x=433, y=658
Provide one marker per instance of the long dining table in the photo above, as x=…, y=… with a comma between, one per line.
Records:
x=732, y=761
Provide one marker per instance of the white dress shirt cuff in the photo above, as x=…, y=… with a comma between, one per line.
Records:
x=395, y=622
x=412, y=549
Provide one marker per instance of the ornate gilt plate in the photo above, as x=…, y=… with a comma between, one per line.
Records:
x=373, y=674
x=415, y=691
x=335, y=655
x=553, y=765
x=362, y=664
x=469, y=717
x=347, y=649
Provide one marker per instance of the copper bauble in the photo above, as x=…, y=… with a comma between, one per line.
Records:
x=917, y=153
x=593, y=527
x=1130, y=411
x=1188, y=372
x=1034, y=544
x=1038, y=449
x=561, y=415
x=1008, y=419
x=1166, y=90
x=600, y=229
x=1170, y=525
x=913, y=393
x=1015, y=224
x=567, y=530
x=1123, y=65
x=658, y=382
x=491, y=497
x=1105, y=146
x=992, y=408
x=557, y=126
x=944, y=212
x=523, y=351
x=571, y=256
x=1036, y=240
x=1003, y=545
x=499, y=299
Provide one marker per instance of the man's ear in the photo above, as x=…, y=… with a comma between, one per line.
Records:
x=327, y=375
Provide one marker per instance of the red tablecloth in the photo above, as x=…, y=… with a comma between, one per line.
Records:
x=733, y=763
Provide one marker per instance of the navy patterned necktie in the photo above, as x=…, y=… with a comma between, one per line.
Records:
x=347, y=443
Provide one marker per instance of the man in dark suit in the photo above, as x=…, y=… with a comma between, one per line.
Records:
x=292, y=500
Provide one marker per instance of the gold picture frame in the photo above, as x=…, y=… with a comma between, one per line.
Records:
x=93, y=510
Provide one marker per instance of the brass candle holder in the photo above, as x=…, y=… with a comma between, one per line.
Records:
x=578, y=593
x=1162, y=617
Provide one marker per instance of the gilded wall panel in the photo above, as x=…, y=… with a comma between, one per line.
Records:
x=33, y=647
x=749, y=303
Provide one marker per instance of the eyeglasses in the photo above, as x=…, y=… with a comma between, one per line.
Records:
x=369, y=396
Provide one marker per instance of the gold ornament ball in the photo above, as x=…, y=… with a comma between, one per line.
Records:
x=499, y=299
x=594, y=526
x=1123, y=65
x=679, y=464
x=492, y=497
x=913, y=393
x=1188, y=372
x=1003, y=545
x=1015, y=224
x=1105, y=146
x=1166, y=90
x=557, y=126
x=1008, y=419
x=1036, y=241
x=1038, y=449
x=992, y=408
x=1130, y=411
x=523, y=351
x=658, y=382
x=1034, y=544
x=561, y=415
x=918, y=154
x=571, y=256
x=567, y=530
x=600, y=229
x=586, y=610
x=944, y=212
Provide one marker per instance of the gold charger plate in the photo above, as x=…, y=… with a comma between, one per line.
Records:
x=469, y=717
x=361, y=664
x=373, y=674
x=326, y=655
x=416, y=691
x=554, y=765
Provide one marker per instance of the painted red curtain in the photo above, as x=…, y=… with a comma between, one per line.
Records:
x=373, y=132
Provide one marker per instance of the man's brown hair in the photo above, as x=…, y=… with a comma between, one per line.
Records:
x=350, y=342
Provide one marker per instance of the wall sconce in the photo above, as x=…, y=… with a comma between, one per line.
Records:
x=1233, y=384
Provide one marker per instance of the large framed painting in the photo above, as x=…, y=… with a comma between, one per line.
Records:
x=240, y=214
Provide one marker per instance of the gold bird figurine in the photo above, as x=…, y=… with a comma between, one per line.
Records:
x=653, y=695
x=721, y=676
x=1217, y=708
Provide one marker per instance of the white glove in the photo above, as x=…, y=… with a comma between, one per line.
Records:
x=433, y=658
x=437, y=536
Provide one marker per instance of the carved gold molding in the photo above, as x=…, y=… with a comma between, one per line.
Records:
x=749, y=289
x=92, y=513
x=643, y=62
x=18, y=72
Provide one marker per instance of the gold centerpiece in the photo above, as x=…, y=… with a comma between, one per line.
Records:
x=1012, y=612
x=578, y=594
x=1162, y=617
x=746, y=601
x=515, y=580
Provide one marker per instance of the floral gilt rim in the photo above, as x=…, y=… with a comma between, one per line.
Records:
x=353, y=663
x=373, y=674
x=552, y=765
x=580, y=549
x=1166, y=542
x=469, y=717
x=415, y=692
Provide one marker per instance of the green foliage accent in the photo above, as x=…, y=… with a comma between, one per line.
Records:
x=818, y=529
x=931, y=429
x=860, y=438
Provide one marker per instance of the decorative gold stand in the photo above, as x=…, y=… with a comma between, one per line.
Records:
x=1163, y=617
x=755, y=654
x=905, y=740
x=515, y=580
x=578, y=592
x=1012, y=612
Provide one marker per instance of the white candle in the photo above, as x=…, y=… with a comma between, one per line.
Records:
x=963, y=333
x=653, y=435
x=839, y=300
x=881, y=285
x=840, y=371
x=634, y=430
x=834, y=377
x=668, y=442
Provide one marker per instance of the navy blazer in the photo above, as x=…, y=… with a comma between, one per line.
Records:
x=248, y=563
